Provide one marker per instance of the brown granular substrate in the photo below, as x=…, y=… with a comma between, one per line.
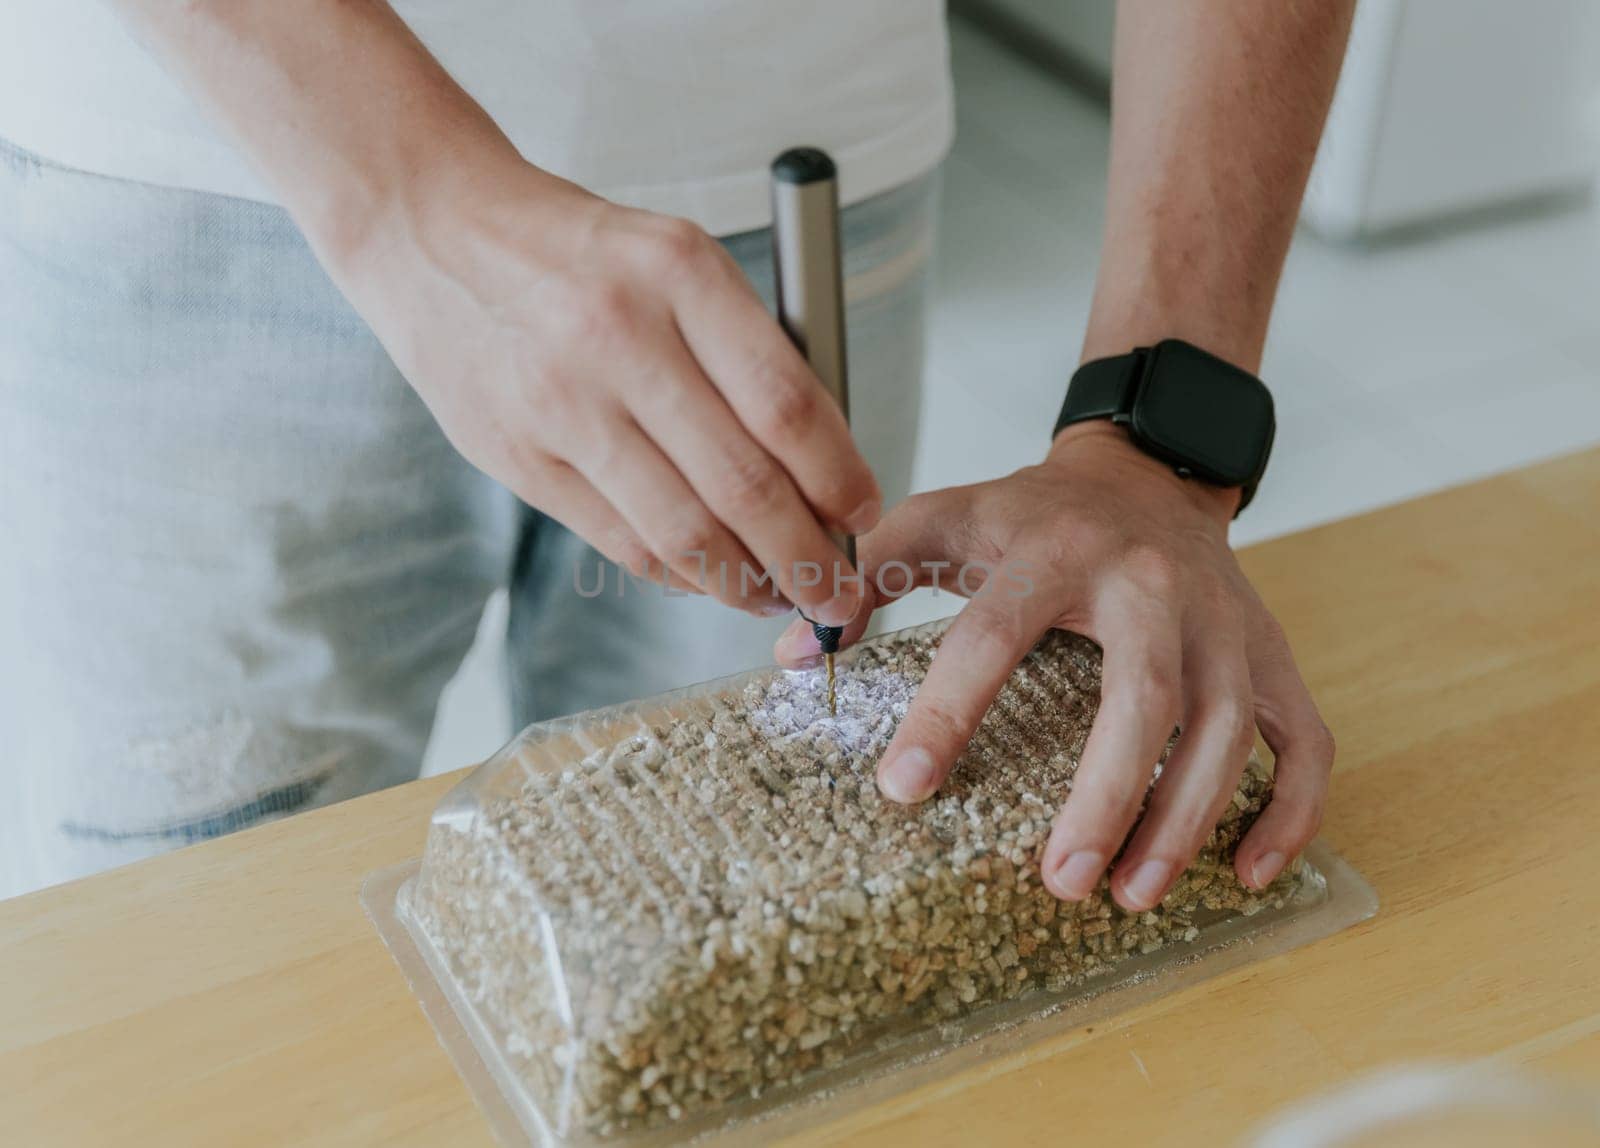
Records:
x=732, y=905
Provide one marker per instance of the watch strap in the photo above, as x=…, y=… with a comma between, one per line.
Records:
x=1102, y=389
x=1108, y=388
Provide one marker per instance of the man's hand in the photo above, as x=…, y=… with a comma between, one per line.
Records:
x=1116, y=547
x=615, y=369
x=1216, y=111
x=610, y=366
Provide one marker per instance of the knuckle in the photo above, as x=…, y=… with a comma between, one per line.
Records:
x=1222, y=603
x=940, y=723
x=1107, y=826
x=1184, y=828
x=1323, y=746
x=996, y=635
x=541, y=414
x=1272, y=633
x=526, y=458
x=679, y=245
x=606, y=451
x=604, y=311
x=791, y=403
x=1096, y=534
x=688, y=538
x=1052, y=557
x=562, y=406
x=631, y=554
x=1114, y=797
x=1153, y=570
x=1302, y=820
x=1313, y=820
x=1051, y=550
x=752, y=484
x=1235, y=719
x=1066, y=545
x=837, y=492
x=1155, y=688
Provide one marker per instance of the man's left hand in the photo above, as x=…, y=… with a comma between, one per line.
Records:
x=1106, y=541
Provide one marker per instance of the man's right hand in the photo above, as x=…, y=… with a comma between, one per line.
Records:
x=615, y=369
x=611, y=367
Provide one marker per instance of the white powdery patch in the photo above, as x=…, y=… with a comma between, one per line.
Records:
x=871, y=702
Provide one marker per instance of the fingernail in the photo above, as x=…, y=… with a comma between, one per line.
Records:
x=909, y=776
x=864, y=517
x=1077, y=876
x=773, y=609
x=797, y=643
x=1267, y=866
x=838, y=611
x=1147, y=884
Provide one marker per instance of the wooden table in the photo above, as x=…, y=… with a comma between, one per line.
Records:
x=234, y=993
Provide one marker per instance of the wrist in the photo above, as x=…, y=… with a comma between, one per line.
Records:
x=363, y=214
x=1143, y=301
x=1237, y=338
x=1109, y=442
x=436, y=210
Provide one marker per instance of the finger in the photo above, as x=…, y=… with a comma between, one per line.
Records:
x=900, y=555
x=975, y=657
x=776, y=396
x=1199, y=777
x=662, y=509
x=560, y=492
x=1139, y=706
x=746, y=489
x=1303, y=751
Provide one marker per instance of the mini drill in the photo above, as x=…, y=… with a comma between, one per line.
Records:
x=810, y=278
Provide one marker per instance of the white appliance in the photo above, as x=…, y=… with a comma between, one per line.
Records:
x=1448, y=106
x=1444, y=106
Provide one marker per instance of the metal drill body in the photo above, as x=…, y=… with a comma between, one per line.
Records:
x=810, y=275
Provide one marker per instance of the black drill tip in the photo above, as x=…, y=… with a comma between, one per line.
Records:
x=827, y=637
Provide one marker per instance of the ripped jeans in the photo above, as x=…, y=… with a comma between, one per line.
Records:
x=238, y=559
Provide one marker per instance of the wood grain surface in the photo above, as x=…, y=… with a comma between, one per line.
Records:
x=234, y=993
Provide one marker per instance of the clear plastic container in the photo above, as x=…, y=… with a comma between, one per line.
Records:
x=686, y=915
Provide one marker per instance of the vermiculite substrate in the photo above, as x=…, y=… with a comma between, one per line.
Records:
x=732, y=904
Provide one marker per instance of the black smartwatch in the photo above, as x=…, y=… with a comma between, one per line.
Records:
x=1203, y=416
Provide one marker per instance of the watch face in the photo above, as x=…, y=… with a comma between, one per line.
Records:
x=1204, y=414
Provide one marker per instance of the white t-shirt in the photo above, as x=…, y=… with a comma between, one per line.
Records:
x=673, y=105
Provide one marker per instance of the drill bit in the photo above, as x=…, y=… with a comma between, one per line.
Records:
x=828, y=638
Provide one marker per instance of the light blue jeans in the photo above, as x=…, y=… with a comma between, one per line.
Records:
x=239, y=561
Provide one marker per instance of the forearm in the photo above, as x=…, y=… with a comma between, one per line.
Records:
x=342, y=110
x=1216, y=113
